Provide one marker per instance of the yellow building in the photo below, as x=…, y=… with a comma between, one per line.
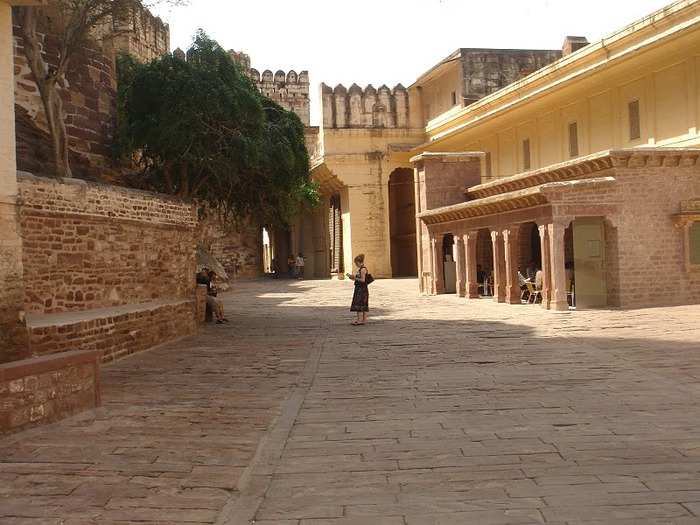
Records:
x=363, y=159
x=587, y=159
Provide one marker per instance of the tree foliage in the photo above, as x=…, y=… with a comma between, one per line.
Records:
x=200, y=128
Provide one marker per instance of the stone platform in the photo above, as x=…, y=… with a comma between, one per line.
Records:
x=440, y=411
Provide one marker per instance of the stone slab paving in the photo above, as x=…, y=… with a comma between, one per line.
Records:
x=440, y=411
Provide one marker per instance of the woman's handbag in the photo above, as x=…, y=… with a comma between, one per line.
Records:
x=369, y=279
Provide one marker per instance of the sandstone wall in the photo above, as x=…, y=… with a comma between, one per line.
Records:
x=290, y=90
x=239, y=249
x=143, y=36
x=485, y=71
x=88, y=92
x=90, y=246
x=365, y=108
x=644, y=245
x=46, y=389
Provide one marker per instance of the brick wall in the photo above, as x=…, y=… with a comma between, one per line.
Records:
x=651, y=245
x=43, y=390
x=90, y=246
x=644, y=247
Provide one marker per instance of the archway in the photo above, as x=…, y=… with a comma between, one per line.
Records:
x=402, y=223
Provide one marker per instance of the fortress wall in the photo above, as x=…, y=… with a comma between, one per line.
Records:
x=289, y=90
x=88, y=93
x=365, y=108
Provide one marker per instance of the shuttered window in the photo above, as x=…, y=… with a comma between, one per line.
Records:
x=573, y=139
x=526, y=154
x=635, y=125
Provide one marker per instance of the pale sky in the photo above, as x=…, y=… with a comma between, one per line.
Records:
x=389, y=41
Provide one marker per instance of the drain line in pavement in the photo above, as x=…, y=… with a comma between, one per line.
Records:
x=257, y=476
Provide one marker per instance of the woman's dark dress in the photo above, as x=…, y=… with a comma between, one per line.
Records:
x=360, y=297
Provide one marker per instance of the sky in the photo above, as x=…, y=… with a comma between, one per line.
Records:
x=388, y=41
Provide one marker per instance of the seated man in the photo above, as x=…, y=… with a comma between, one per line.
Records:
x=216, y=305
x=206, y=277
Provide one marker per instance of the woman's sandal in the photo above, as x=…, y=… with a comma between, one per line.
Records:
x=357, y=324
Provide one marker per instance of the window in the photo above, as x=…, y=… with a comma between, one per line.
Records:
x=487, y=162
x=453, y=96
x=526, y=154
x=694, y=243
x=635, y=128
x=573, y=139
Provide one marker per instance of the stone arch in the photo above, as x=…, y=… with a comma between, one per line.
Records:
x=292, y=77
x=280, y=77
x=267, y=76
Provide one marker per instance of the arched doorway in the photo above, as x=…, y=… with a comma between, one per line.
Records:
x=402, y=223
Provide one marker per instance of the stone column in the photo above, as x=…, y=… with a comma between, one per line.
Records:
x=14, y=340
x=420, y=230
x=470, y=264
x=460, y=266
x=511, y=238
x=439, y=178
x=558, y=260
x=499, y=267
x=546, y=245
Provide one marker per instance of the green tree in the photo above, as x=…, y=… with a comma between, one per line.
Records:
x=200, y=128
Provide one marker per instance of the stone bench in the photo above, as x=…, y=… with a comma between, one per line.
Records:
x=114, y=332
x=46, y=389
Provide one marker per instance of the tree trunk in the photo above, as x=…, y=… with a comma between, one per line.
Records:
x=47, y=81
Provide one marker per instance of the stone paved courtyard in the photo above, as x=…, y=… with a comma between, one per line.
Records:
x=440, y=411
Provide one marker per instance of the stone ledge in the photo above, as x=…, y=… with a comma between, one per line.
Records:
x=47, y=363
x=114, y=332
x=42, y=390
x=68, y=318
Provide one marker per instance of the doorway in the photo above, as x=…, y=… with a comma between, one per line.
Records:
x=402, y=223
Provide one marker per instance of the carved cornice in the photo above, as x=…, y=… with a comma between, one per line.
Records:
x=588, y=167
x=516, y=200
x=583, y=167
x=655, y=157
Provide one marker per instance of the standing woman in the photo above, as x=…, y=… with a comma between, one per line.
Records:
x=360, y=297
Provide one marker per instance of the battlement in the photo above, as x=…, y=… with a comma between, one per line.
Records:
x=289, y=90
x=240, y=58
x=143, y=35
x=355, y=107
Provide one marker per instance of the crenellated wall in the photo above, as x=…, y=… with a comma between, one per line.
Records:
x=289, y=90
x=355, y=107
x=143, y=36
